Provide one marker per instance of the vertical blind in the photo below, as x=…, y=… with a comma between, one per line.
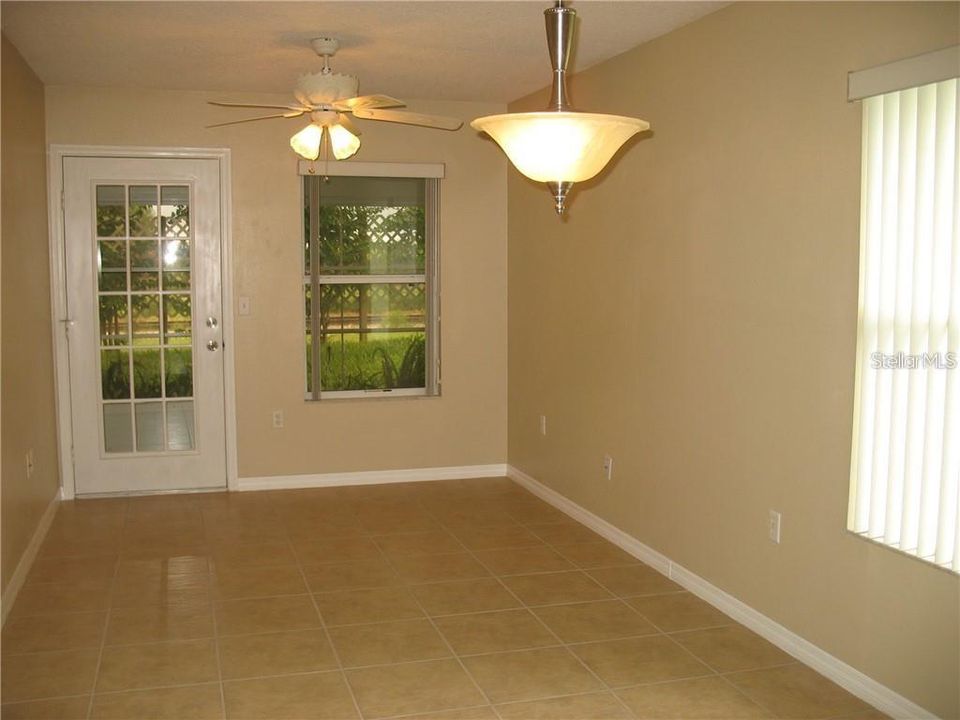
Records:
x=905, y=469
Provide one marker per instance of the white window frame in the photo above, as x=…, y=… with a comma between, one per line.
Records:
x=432, y=173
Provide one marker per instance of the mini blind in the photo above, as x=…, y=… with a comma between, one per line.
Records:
x=905, y=469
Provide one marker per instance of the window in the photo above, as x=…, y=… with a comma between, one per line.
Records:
x=370, y=290
x=905, y=468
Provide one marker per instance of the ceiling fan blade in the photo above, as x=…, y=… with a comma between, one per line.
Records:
x=269, y=107
x=345, y=120
x=409, y=118
x=368, y=101
x=262, y=117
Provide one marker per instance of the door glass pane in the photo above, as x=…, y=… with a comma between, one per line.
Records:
x=372, y=226
x=175, y=211
x=149, y=426
x=143, y=211
x=115, y=374
x=178, y=368
x=146, y=374
x=180, y=426
x=145, y=337
x=117, y=430
x=111, y=211
x=113, y=320
x=177, y=319
x=372, y=336
x=176, y=254
x=112, y=265
x=145, y=310
x=144, y=265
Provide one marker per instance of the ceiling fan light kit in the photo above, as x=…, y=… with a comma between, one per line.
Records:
x=559, y=146
x=330, y=98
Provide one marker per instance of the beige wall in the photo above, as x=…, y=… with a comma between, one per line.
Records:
x=467, y=425
x=28, y=411
x=695, y=317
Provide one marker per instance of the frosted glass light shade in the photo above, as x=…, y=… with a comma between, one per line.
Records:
x=559, y=146
x=306, y=143
x=343, y=142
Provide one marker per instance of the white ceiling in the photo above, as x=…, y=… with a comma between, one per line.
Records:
x=468, y=50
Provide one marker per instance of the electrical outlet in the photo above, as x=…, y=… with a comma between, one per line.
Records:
x=773, y=526
x=29, y=461
x=278, y=418
x=543, y=424
x=608, y=467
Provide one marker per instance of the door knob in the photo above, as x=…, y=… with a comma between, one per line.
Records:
x=212, y=345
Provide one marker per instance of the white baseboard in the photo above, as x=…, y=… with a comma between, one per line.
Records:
x=371, y=477
x=26, y=560
x=849, y=678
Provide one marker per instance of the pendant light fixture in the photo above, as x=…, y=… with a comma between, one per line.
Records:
x=559, y=146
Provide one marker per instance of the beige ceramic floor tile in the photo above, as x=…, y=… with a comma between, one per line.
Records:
x=631, y=580
x=50, y=674
x=633, y=661
x=258, y=581
x=244, y=656
x=596, y=554
x=386, y=643
x=484, y=712
x=72, y=708
x=530, y=674
x=566, y=532
x=37, y=633
x=438, y=568
x=593, y=706
x=698, y=699
x=97, y=568
x=195, y=702
x=242, y=617
x=602, y=620
x=44, y=598
x=555, y=588
x=337, y=550
x=367, y=606
x=494, y=632
x=534, y=511
x=432, y=542
x=316, y=696
x=351, y=576
x=136, y=590
x=129, y=667
x=152, y=623
x=496, y=537
x=523, y=560
x=464, y=597
x=732, y=648
x=679, y=611
x=796, y=691
x=271, y=553
x=413, y=688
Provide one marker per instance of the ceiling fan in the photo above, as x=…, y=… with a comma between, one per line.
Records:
x=330, y=99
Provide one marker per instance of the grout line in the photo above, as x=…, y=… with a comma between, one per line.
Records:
x=211, y=582
x=326, y=632
x=106, y=621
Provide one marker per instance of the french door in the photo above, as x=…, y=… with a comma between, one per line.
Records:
x=142, y=266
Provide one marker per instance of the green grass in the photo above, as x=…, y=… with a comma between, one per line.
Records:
x=398, y=361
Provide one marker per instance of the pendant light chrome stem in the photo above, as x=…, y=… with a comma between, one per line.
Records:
x=559, y=21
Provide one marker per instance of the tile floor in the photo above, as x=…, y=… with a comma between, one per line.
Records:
x=461, y=599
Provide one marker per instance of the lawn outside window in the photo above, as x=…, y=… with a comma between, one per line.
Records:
x=370, y=283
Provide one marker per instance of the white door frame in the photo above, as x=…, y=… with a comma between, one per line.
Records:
x=58, y=292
